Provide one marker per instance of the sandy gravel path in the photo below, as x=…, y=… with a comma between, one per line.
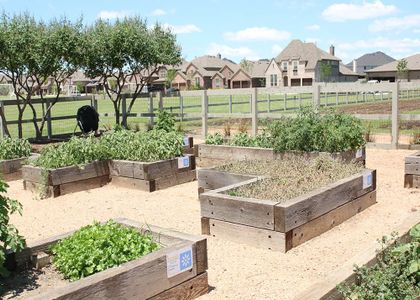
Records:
x=235, y=271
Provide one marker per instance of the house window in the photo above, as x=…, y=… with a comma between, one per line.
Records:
x=217, y=83
x=295, y=65
x=273, y=79
x=197, y=81
x=284, y=65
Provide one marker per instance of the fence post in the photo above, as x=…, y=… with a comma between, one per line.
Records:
x=49, y=125
x=181, y=107
x=124, y=111
x=395, y=115
x=230, y=104
x=300, y=100
x=284, y=101
x=316, y=93
x=151, y=116
x=160, y=100
x=336, y=98
x=94, y=102
x=2, y=127
x=268, y=103
x=204, y=113
x=254, y=111
x=347, y=97
x=382, y=96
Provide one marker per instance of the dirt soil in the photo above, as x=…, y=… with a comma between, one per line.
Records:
x=380, y=107
x=236, y=271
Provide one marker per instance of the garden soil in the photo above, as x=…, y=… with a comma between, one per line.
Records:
x=235, y=271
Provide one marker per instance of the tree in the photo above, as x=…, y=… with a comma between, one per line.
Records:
x=127, y=51
x=326, y=71
x=170, y=76
x=402, y=69
x=246, y=65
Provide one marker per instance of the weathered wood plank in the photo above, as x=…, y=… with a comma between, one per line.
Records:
x=413, y=158
x=75, y=173
x=331, y=219
x=412, y=181
x=190, y=289
x=253, y=212
x=175, y=179
x=213, y=179
x=256, y=237
x=11, y=165
x=83, y=185
x=134, y=183
x=302, y=209
x=35, y=174
x=123, y=168
x=412, y=168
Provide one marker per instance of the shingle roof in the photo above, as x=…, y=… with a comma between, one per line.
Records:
x=413, y=63
x=372, y=59
x=346, y=71
x=304, y=51
x=209, y=61
x=258, y=68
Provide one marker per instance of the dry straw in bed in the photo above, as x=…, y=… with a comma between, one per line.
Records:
x=290, y=177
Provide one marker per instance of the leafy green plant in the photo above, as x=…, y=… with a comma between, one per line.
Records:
x=97, y=247
x=242, y=139
x=396, y=275
x=165, y=121
x=214, y=139
x=9, y=235
x=11, y=148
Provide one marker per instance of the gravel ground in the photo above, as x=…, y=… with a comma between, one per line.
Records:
x=235, y=271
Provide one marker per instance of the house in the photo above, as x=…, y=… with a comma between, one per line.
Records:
x=388, y=72
x=252, y=75
x=159, y=80
x=302, y=64
x=369, y=61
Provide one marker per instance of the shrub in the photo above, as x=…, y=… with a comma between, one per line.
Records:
x=396, y=275
x=9, y=235
x=214, y=139
x=77, y=151
x=243, y=140
x=165, y=121
x=11, y=148
x=97, y=247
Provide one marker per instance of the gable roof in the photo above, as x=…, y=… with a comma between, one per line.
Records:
x=372, y=59
x=218, y=74
x=413, y=63
x=346, y=71
x=209, y=61
x=304, y=51
x=240, y=71
x=258, y=68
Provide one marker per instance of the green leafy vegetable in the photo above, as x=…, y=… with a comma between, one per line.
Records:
x=11, y=148
x=214, y=139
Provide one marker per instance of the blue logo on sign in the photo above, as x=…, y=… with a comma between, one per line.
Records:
x=186, y=141
x=369, y=179
x=185, y=260
x=186, y=161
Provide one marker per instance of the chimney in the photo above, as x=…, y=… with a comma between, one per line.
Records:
x=354, y=66
x=219, y=56
x=332, y=50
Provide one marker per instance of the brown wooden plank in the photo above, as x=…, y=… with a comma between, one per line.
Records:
x=412, y=168
x=159, y=169
x=35, y=174
x=243, y=234
x=42, y=190
x=205, y=226
x=413, y=158
x=190, y=289
x=122, y=168
x=246, y=211
x=83, y=185
x=134, y=183
x=11, y=165
x=331, y=219
x=226, y=152
x=75, y=173
x=213, y=179
x=175, y=179
x=300, y=210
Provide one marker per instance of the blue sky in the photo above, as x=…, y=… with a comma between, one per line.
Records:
x=258, y=29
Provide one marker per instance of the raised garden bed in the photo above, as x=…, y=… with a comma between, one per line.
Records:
x=11, y=169
x=188, y=147
x=176, y=271
x=61, y=181
x=13, y=155
x=209, y=155
x=154, y=175
x=412, y=171
x=326, y=289
x=273, y=224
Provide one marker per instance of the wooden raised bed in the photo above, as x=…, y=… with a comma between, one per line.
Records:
x=412, y=171
x=188, y=145
x=211, y=154
x=154, y=175
x=158, y=275
x=61, y=181
x=11, y=169
x=279, y=225
x=326, y=289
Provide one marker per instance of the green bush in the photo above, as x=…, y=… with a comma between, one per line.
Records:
x=11, y=148
x=395, y=276
x=9, y=235
x=243, y=140
x=77, y=151
x=97, y=247
x=214, y=139
x=165, y=121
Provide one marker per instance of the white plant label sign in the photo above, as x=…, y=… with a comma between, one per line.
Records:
x=359, y=153
x=186, y=141
x=179, y=261
x=367, y=180
x=183, y=162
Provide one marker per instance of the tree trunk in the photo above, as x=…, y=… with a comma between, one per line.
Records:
x=5, y=126
x=19, y=124
x=117, y=112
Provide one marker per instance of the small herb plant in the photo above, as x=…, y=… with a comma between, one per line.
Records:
x=165, y=121
x=9, y=235
x=11, y=148
x=214, y=139
x=98, y=247
x=395, y=276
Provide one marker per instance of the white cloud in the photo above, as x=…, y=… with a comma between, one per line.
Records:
x=257, y=34
x=276, y=49
x=340, y=12
x=396, y=24
x=237, y=52
x=314, y=27
x=158, y=12
x=179, y=29
x=113, y=14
